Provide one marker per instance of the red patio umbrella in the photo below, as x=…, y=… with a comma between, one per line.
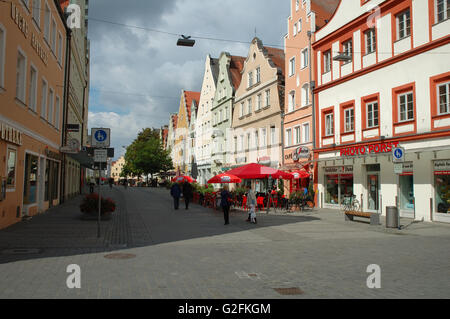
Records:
x=224, y=179
x=179, y=179
x=257, y=171
x=300, y=174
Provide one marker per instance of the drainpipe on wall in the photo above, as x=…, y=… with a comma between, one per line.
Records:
x=65, y=111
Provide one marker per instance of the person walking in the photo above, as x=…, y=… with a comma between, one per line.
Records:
x=251, y=202
x=175, y=191
x=225, y=200
x=187, y=193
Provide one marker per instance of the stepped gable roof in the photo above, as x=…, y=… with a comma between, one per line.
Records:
x=277, y=57
x=236, y=67
x=214, y=69
x=189, y=96
x=324, y=10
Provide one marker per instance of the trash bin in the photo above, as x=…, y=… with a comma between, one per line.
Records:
x=391, y=217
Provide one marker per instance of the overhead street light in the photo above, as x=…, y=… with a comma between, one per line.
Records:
x=185, y=41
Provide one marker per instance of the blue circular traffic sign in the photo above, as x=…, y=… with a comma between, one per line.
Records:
x=398, y=153
x=100, y=136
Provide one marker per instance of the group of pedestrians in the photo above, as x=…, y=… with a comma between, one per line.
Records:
x=226, y=200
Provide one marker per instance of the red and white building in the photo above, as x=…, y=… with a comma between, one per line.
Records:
x=393, y=90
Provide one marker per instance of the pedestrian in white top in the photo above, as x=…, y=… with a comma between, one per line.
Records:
x=251, y=202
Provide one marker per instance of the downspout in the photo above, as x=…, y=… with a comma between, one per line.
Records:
x=82, y=176
x=65, y=111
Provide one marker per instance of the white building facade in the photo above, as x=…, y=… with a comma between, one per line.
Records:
x=203, y=128
x=392, y=91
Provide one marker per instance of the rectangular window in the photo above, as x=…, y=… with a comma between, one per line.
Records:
x=249, y=106
x=60, y=48
x=272, y=135
x=250, y=79
x=327, y=62
x=288, y=137
x=306, y=137
x=37, y=11
x=32, y=94
x=348, y=49
x=44, y=99
x=291, y=102
x=444, y=98
x=248, y=141
x=297, y=135
x=443, y=10
x=294, y=31
x=20, y=76
x=403, y=24
x=259, y=102
x=256, y=139
x=47, y=23
x=220, y=116
x=267, y=97
x=242, y=109
x=53, y=37
x=30, y=180
x=406, y=106
x=349, y=120
x=242, y=142
x=372, y=114
x=258, y=74
x=329, y=124
x=370, y=41
x=50, y=106
x=2, y=55
x=305, y=58
x=11, y=168
x=292, y=66
x=57, y=112
x=264, y=137
x=299, y=26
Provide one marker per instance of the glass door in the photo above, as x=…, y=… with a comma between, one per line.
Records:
x=373, y=190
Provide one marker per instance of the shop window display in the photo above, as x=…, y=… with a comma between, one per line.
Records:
x=406, y=185
x=346, y=186
x=332, y=189
x=30, y=185
x=442, y=190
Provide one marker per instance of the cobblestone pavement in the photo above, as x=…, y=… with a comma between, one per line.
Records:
x=191, y=254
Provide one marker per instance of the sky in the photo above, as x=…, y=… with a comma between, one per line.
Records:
x=137, y=75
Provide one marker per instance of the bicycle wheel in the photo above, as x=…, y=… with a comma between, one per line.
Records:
x=356, y=205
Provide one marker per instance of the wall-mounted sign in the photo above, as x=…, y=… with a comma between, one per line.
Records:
x=72, y=127
x=101, y=137
x=338, y=170
x=301, y=152
x=442, y=167
x=370, y=149
x=10, y=134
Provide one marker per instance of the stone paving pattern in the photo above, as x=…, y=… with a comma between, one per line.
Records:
x=191, y=254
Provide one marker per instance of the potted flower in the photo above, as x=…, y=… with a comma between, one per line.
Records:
x=89, y=207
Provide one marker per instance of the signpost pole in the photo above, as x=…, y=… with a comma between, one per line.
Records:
x=99, y=200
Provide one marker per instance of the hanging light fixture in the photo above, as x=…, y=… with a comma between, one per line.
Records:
x=185, y=41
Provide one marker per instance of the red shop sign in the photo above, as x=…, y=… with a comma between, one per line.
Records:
x=369, y=149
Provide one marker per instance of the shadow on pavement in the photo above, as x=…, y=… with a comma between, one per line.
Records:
x=144, y=217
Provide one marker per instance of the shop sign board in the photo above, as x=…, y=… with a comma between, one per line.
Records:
x=376, y=148
x=301, y=152
x=101, y=156
x=338, y=170
x=403, y=168
x=442, y=167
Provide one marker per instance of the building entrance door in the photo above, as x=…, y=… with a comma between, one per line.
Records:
x=373, y=191
x=41, y=185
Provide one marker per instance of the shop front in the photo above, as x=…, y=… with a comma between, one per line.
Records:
x=298, y=161
x=419, y=186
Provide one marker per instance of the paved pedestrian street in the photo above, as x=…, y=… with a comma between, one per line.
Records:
x=192, y=254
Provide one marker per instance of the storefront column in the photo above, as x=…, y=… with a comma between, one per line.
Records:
x=423, y=185
x=389, y=184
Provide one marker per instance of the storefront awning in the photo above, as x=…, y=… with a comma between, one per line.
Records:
x=83, y=158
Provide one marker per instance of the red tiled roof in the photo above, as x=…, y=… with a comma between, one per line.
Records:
x=189, y=96
x=324, y=10
x=277, y=57
x=236, y=67
x=174, y=120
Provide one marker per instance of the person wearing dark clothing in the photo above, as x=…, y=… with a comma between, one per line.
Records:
x=225, y=199
x=175, y=191
x=187, y=193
